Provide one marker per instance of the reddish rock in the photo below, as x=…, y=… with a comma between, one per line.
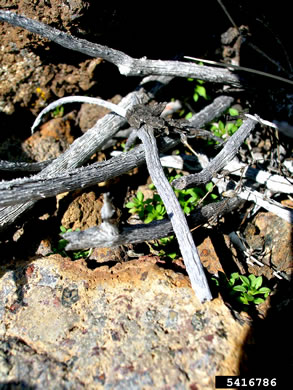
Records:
x=132, y=325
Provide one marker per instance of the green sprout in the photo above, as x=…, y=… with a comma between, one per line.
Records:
x=166, y=247
x=58, y=112
x=245, y=289
x=137, y=205
x=153, y=209
x=148, y=210
x=222, y=130
x=199, y=91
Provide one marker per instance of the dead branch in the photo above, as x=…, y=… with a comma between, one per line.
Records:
x=9, y=166
x=91, y=238
x=187, y=247
x=274, y=183
x=79, y=151
x=268, y=204
x=228, y=152
x=127, y=65
x=52, y=183
x=79, y=99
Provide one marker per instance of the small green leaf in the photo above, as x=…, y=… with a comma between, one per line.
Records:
x=258, y=282
x=252, y=279
x=257, y=301
x=243, y=300
x=230, y=128
x=195, y=97
x=188, y=116
x=209, y=186
x=129, y=205
x=234, y=277
x=140, y=196
x=221, y=125
x=239, y=288
x=63, y=229
x=148, y=219
x=233, y=112
x=264, y=290
x=248, y=297
x=201, y=91
x=253, y=291
x=244, y=280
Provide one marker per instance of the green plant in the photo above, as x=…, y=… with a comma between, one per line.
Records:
x=58, y=112
x=221, y=129
x=246, y=289
x=153, y=209
x=61, y=244
x=249, y=288
x=148, y=210
x=166, y=247
x=198, y=91
x=137, y=205
x=189, y=198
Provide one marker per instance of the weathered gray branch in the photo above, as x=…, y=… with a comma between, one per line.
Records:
x=17, y=166
x=228, y=152
x=45, y=185
x=79, y=151
x=127, y=65
x=187, y=247
x=79, y=99
x=91, y=238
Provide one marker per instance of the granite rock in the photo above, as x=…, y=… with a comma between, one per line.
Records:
x=136, y=325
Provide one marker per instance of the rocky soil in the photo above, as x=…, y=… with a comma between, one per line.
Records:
x=127, y=318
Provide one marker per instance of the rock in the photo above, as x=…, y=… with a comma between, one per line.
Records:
x=29, y=73
x=132, y=326
x=209, y=257
x=51, y=141
x=89, y=114
x=273, y=236
x=83, y=212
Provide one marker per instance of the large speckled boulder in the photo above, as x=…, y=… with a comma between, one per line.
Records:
x=136, y=325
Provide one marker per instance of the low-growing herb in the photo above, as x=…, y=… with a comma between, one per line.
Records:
x=246, y=289
x=222, y=129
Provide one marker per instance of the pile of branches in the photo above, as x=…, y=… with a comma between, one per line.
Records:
x=157, y=134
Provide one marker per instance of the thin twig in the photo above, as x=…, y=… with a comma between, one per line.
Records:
x=222, y=158
x=79, y=151
x=79, y=99
x=268, y=204
x=242, y=68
